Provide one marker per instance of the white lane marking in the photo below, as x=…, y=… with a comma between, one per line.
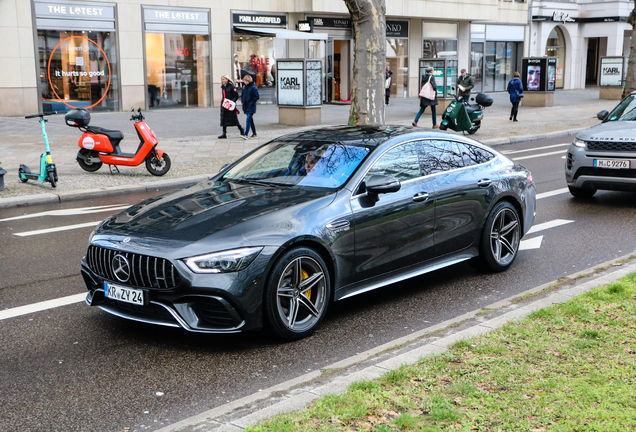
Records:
x=38, y=307
x=533, y=149
x=71, y=212
x=56, y=229
x=547, y=225
x=552, y=193
x=539, y=155
x=533, y=243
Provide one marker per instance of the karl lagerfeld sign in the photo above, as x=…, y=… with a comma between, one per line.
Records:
x=253, y=19
x=611, y=71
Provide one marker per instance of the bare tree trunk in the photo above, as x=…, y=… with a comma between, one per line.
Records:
x=369, y=46
x=630, y=80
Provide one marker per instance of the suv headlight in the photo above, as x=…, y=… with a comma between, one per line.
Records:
x=579, y=143
x=223, y=262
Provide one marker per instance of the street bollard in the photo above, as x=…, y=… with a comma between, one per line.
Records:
x=2, y=173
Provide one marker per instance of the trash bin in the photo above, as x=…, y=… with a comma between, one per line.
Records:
x=2, y=173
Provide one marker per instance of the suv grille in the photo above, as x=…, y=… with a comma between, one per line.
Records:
x=619, y=146
x=146, y=271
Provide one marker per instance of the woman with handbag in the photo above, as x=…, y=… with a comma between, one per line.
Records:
x=229, y=112
x=428, y=97
x=515, y=88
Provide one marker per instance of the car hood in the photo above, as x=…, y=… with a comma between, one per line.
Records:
x=610, y=131
x=217, y=211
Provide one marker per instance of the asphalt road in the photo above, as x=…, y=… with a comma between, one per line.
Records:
x=77, y=368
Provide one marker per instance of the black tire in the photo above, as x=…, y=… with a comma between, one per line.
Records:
x=50, y=177
x=297, y=294
x=475, y=128
x=581, y=193
x=443, y=127
x=158, y=166
x=87, y=166
x=500, y=238
x=21, y=171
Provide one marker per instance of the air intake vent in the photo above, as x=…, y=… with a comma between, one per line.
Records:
x=145, y=271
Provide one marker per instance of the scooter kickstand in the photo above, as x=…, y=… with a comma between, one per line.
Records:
x=110, y=168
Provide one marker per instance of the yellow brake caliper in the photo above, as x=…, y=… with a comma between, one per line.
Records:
x=305, y=275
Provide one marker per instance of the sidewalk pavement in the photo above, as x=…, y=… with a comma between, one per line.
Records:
x=189, y=136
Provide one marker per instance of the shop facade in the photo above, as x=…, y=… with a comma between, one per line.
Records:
x=111, y=55
x=579, y=34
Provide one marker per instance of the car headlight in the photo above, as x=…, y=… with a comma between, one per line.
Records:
x=579, y=143
x=223, y=262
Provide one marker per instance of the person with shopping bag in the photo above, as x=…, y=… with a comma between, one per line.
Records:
x=428, y=97
x=229, y=111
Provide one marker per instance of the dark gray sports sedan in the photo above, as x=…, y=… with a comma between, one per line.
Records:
x=307, y=219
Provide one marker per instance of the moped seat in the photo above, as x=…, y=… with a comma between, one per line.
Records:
x=114, y=136
x=471, y=108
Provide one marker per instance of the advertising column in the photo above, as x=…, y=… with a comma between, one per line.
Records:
x=611, y=77
x=77, y=55
x=538, y=75
x=177, y=45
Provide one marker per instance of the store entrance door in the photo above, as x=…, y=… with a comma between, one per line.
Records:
x=338, y=70
x=591, y=67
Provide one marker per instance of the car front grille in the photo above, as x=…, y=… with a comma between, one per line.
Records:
x=145, y=271
x=617, y=146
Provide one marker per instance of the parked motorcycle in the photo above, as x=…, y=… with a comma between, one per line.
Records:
x=462, y=116
x=101, y=146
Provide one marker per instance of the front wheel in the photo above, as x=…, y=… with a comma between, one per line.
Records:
x=581, y=193
x=443, y=127
x=50, y=177
x=297, y=294
x=156, y=165
x=500, y=238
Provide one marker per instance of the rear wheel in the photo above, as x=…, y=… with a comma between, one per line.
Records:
x=581, y=193
x=156, y=165
x=500, y=238
x=297, y=294
x=83, y=159
x=20, y=176
x=475, y=128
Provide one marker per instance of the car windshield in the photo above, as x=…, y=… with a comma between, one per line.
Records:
x=624, y=111
x=303, y=163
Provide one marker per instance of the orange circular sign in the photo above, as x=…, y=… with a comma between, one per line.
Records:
x=48, y=70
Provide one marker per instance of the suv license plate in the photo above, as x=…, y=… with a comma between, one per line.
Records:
x=128, y=295
x=612, y=163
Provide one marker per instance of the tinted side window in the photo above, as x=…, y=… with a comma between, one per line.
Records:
x=400, y=162
x=473, y=155
x=438, y=156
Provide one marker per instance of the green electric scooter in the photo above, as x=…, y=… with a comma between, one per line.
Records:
x=48, y=172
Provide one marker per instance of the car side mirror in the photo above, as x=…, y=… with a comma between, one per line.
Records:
x=380, y=184
x=602, y=115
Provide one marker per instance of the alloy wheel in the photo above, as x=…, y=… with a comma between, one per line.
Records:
x=504, y=236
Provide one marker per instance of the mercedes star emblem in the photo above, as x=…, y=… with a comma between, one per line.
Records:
x=121, y=268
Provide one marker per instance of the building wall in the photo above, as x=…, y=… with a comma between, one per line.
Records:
x=19, y=93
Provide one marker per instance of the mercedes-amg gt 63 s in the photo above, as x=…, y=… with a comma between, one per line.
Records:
x=305, y=220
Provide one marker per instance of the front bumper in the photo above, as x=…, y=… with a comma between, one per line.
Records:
x=203, y=303
x=581, y=173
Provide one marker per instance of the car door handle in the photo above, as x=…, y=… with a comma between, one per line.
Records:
x=484, y=182
x=420, y=197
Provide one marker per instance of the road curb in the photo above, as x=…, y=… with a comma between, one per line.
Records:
x=52, y=197
x=287, y=397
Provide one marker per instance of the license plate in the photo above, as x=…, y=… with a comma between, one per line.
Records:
x=612, y=163
x=128, y=295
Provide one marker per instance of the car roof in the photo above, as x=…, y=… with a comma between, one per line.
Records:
x=367, y=135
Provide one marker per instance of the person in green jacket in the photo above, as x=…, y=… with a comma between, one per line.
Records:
x=467, y=82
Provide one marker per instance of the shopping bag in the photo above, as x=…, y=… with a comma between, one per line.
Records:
x=229, y=105
x=427, y=91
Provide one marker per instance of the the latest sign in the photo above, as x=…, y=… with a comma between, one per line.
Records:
x=73, y=10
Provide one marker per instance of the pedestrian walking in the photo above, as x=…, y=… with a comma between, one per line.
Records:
x=229, y=112
x=515, y=88
x=425, y=97
x=465, y=83
x=248, y=99
x=388, y=80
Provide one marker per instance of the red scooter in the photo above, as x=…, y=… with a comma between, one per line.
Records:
x=101, y=146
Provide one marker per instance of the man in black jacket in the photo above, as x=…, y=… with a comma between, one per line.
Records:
x=465, y=83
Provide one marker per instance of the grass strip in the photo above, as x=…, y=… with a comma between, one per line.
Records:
x=570, y=367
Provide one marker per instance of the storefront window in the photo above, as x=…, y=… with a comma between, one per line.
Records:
x=556, y=48
x=397, y=59
x=439, y=39
x=256, y=56
x=83, y=70
x=500, y=64
x=177, y=70
x=317, y=49
x=477, y=64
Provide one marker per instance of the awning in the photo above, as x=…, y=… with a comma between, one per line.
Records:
x=279, y=33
